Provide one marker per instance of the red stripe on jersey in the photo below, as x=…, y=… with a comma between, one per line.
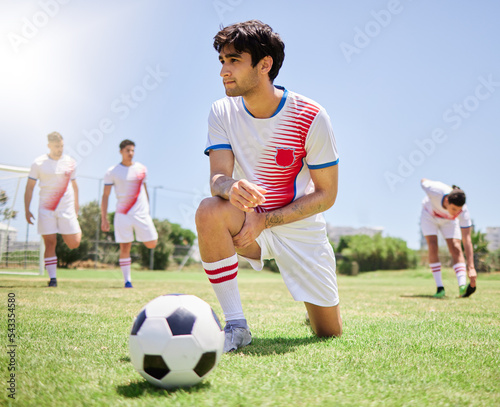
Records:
x=282, y=158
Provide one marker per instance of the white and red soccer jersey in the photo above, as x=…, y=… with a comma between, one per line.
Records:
x=55, y=176
x=129, y=188
x=433, y=203
x=275, y=153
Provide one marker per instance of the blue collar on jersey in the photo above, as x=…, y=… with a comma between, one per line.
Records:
x=280, y=106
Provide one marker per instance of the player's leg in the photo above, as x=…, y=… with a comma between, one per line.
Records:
x=430, y=227
x=151, y=244
x=217, y=221
x=73, y=240
x=435, y=265
x=145, y=231
x=455, y=248
x=50, y=258
x=325, y=321
x=126, y=263
x=124, y=235
x=69, y=228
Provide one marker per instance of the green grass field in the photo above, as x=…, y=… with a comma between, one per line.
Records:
x=399, y=348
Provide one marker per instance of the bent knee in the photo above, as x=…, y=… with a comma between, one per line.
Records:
x=210, y=210
x=329, y=332
x=151, y=244
x=73, y=245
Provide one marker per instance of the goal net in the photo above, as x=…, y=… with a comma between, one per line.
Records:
x=21, y=248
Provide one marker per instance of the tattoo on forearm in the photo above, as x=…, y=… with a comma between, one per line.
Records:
x=298, y=208
x=274, y=219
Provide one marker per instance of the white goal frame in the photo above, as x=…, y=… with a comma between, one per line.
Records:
x=41, y=266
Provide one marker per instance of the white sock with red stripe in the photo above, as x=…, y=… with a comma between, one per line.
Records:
x=125, y=266
x=436, y=273
x=51, y=266
x=460, y=272
x=222, y=274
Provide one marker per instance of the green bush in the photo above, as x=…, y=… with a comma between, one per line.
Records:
x=376, y=253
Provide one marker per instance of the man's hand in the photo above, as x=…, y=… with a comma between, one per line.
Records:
x=252, y=227
x=246, y=196
x=104, y=225
x=29, y=216
x=472, y=276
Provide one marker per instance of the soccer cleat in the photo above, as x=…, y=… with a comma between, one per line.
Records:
x=439, y=293
x=470, y=290
x=461, y=290
x=52, y=282
x=128, y=284
x=236, y=338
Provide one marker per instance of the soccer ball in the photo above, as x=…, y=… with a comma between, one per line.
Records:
x=176, y=341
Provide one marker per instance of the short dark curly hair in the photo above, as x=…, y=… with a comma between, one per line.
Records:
x=256, y=38
x=456, y=196
x=126, y=143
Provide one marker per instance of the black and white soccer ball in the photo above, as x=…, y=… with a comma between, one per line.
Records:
x=176, y=341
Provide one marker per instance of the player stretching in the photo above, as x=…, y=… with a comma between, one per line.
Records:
x=444, y=209
x=273, y=170
x=58, y=205
x=132, y=207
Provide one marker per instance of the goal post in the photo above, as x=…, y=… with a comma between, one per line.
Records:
x=21, y=248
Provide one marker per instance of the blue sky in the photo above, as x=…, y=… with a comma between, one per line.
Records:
x=412, y=88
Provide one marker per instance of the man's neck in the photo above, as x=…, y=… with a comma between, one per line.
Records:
x=126, y=163
x=263, y=103
x=53, y=157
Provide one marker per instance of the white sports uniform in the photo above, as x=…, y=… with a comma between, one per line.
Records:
x=56, y=211
x=277, y=154
x=132, y=207
x=434, y=217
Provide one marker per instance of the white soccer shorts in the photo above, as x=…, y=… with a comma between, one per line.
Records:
x=430, y=225
x=63, y=222
x=305, y=259
x=127, y=224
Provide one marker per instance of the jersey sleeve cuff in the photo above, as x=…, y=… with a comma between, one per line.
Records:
x=319, y=166
x=217, y=147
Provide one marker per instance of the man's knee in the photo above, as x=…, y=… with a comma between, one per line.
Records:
x=73, y=242
x=210, y=210
x=328, y=331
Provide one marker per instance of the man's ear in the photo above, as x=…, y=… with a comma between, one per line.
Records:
x=265, y=64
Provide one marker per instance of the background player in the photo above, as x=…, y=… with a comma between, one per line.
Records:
x=58, y=205
x=444, y=209
x=132, y=207
x=273, y=170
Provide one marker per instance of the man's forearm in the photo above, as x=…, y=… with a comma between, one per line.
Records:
x=469, y=254
x=220, y=185
x=302, y=208
x=104, y=207
x=28, y=195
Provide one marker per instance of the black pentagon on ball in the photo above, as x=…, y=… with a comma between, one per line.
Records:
x=138, y=322
x=205, y=364
x=181, y=321
x=155, y=366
